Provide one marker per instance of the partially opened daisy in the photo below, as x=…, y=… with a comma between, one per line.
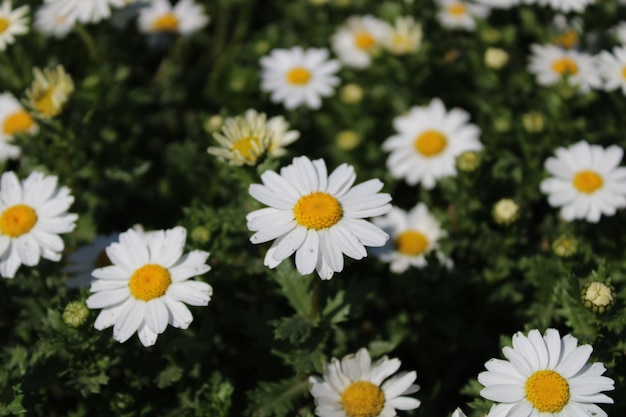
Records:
x=14, y=120
x=586, y=181
x=13, y=22
x=185, y=17
x=428, y=140
x=318, y=216
x=414, y=234
x=545, y=376
x=49, y=91
x=460, y=14
x=359, y=39
x=299, y=77
x=612, y=66
x=33, y=213
x=354, y=387
x=147, y=285
x=405, y=37
x=84, y=11
x=551, y=65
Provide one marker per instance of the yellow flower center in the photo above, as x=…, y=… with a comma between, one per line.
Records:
x=430, y=143
x=587, y=181
x=364, y=40
x=45, y=103
x=567, y=40
x=457, y=9
x=547, y=391
x=17, y=220
x=246, y=147
x=298, y=76
x=362, y=399
x=565, y=66
x=401, y=41
x=166, y=23
x=150, y=281
x=411, y=243
x=4, y=24
x=20, y=121
x=317, y=211
x=624, y=72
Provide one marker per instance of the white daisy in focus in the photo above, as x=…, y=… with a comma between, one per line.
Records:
x=459, y=14
x=612, y=66
x=185, y=17
x=318, y=216
x=545, y=376
x=405, y=37
x=299, y=77
x=14, y=120
x=355, y=387
x=12, y=23
x=83, y=11
x=147, y=285
x=281, y=136
x=427, y=142
x=32, y=215
x=359, y=39
x=51, y=21
x=586, y=181
x=414, y=234
x=552, y=65
x=567, y=6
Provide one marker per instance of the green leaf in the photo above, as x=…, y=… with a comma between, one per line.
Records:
x=276, y=398
x=295, y=288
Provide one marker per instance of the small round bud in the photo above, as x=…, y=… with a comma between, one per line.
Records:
x=75, y=314
x=200, y=234
x=491, y=35
x=598, y=297
x=502, y=124
x=496, y=58
x=533, y=122
x=565, y=246
x=262, y=47
x=468, y=161
x=347, y=140
x=213, y=123
x=351, y=94
x=505, y=211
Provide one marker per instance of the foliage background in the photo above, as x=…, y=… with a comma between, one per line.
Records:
x=132, y=147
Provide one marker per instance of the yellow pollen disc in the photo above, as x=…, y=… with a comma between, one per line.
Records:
x=565, y=66
x=587, y=181
x=45, y=103
x=401, y=40
x=624, y=72
x=166, y=23
x=547, y=391
x=362, y=399
x=20, y=121
x=246, y=148
x=150, y=281
x=298, y=76
x=430, y=143
x=17, y=220
x=567, y=40
x=364, y=40
x=411, y=243
x=457, y=9
x=4, y=24
x=317, y=211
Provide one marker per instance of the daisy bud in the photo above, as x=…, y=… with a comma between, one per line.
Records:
x=347, y=140
x=496, y=58
x=505, y=211
x=200, y=234
x=565, y=246
x=468, y=161
x=533, y=122
x=598, y=297
x=351, y=94
x=213, y=123
x=75, y=314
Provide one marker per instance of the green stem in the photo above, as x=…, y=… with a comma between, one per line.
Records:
x=315, y=298
x=88, y=40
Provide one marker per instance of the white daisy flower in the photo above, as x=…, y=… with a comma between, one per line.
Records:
x=459, y=14
x=185, y=17
x=414, y=234
x=320, y=217
x=32, y=215
x=428, y=141
x=566, y=6
x=360, y=38
x=281, y=136
x=13, y=120
x=355, y=387
x=405, y=37
x=12, y=23
x=612, y=67
x=586, y=181
x=147, y=285
x=83, y=11
x=551, y=65
x=545, y=376
x=299, y=77
x=52, y=21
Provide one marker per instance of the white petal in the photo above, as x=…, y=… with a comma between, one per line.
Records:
x=504, y=393
x=156, y=315
x=180, y=316
x=308, y=252
x=147, y=337
x=129, y=321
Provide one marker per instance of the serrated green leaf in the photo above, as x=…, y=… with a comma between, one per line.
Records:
x=295, y=288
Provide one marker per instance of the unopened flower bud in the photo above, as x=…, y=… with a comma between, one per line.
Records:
x=75, y=314
x=598, y=297
x=505, y=211
x=496, y=58
x=468, y=161
x=533, y=122
x=565, y=246
x=347, y=139
x=351, y=94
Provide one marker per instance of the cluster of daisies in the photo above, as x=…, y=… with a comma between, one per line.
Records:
x=58, y=18
x=543, y=375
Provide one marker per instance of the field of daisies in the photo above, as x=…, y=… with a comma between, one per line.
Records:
x=331, y=208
